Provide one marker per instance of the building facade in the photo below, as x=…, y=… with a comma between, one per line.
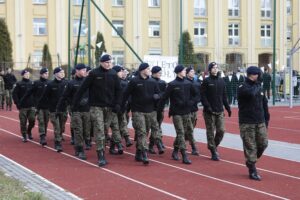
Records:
x=237, y=33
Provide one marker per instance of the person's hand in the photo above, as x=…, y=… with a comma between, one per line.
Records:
x=229, y=113
x=208, y=110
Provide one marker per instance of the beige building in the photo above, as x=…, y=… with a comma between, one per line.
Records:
x=234, y=32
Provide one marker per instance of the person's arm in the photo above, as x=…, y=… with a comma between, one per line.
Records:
x=266, y=110
x=64, y=100
x=204, y=100
x=15, y=96
x=82, y=89
x=225, y=101
x=29, y=92
x=162, y=102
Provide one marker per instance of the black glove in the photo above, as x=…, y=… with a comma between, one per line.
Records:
x=156, y=97
x=116, y=108
x=208, y=110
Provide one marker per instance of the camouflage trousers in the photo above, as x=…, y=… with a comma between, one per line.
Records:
x=43, y=120
x=58, y=121
x=2, y=99
x=123, y=122
x=102, y=119
x=190, y=137
x=81, y=127
x=26, y=115
x=255, y=140
x=8, y=96
x=214, y=129
x=160, y=118
x=183, y=126
x=140, y=121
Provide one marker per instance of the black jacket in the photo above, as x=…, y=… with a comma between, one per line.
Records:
x=68, y=95
x=196, y=85
x=37, y=91
x=253, y=105
x=104, y=89
x=9, y=81
x=19, y=91
x=162, y=88
x=142, y=94
x=213, y=94
x=53, y=92
x=182, y=95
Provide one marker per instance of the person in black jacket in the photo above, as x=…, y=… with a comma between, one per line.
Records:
x=52, y=93
x=37, y=91
x=26, y=107
x=253, y=118
x=9, y=82
x=104, y=98
x=144, y=92
x=156, y=74
x=190, y=73
x=80, y=115
x=213, y=98
x=183, y=97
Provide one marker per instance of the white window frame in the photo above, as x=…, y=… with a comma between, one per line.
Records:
x=39, y=1
x=36, y=58
x=119, y=25
x=154, y=28
x=233, y=34
x=154, y=3
x=289, y=7
x=155, y=52
x=76, y=27
x=77, y=2
x=234, y=8
x=38, y=25
x=266, y=8
x=118, y=57
x=200, y=8
x=266, y=35
x=118, y=3
x=200, y=33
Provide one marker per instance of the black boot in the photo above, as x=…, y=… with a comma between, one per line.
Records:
x=58, y=147
x=43, y=141
x=138, y=156
x=128, y=141
x=253, y=172
x=151, y=147
x=214, y=155
x=88, y=144
x=175, y=153
x=80, y=153
x=194, y=150
x=185, y=158
x=101, y=158
x=29, y=135
x=159, y=147
x=145, y=157
x=24, y=139
x=112, y=149
x=120, y=148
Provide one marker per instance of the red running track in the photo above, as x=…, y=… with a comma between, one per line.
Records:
x=162, y=179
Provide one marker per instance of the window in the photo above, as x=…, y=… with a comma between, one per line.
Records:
x=154, y=29
x=36, y=58
x=233, y=8
x=118, y=57
x=233, y=34
x=117, y=2
x=200, y=8
x=39, y=26
x=153, y=3
x=266, y=8
x=289, y=33
x=289, y=7
x=118, y=24
x=39, y=1
x=200, y=34
x=77, y=2
x=155, y=52
x=76, y=27
x=265, y=33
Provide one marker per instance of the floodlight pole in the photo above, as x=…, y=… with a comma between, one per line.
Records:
x=79, y=31
x=274, y=52
x=69, y=40
x=89, y=32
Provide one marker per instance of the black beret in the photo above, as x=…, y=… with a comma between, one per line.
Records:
x=189, y=69
x=73, y=72
x=155, y=69
x=57, y=70
x=24, y=71
x=105, y=58
x=210, y=65
x=253, y=70
x=43, y=70
x=117, y=68
x=143, y=66
x=178, y=69
x=80, y=66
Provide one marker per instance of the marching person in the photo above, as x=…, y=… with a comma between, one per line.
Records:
x=9, y=82
x=104, y=98
x=213, y=98
x=53, y=92
x=253, y=118
x=144, y=92
x=182, y=97
x=2, y=90
x=26, y=107
x=42, y=111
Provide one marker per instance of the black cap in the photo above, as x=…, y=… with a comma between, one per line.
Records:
x=117, y=68
x=24, y=71
x=178, y=69
x=105, y=58
x=73, y=72
x=155, y=69
x=143, y=66
x=80, y=66
x=57, y=70
x=43, y=70
x=253, y=70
